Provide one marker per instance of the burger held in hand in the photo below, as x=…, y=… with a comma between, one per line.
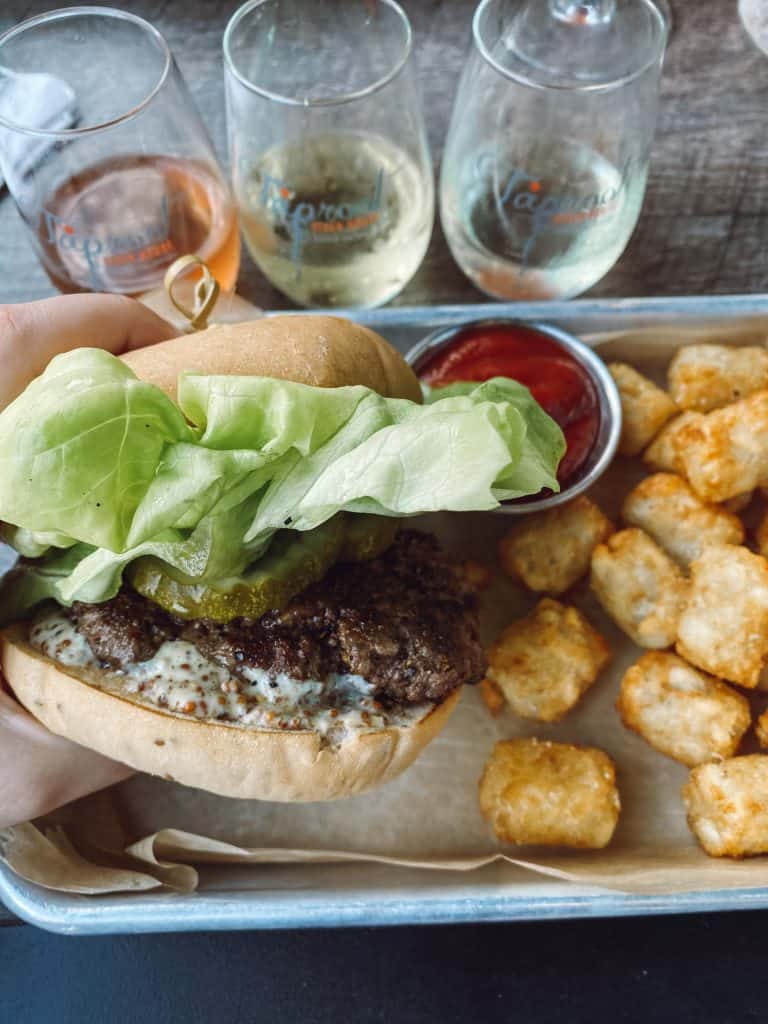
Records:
x=216, y=582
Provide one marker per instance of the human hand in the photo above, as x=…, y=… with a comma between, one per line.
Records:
x=32, y=333
x=40, y=771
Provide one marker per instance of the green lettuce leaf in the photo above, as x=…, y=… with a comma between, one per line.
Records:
x=98, y=469
x=464, y=452
x=80, y=446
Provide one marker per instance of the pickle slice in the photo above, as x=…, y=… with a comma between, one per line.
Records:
x=367, y=536
x=293, y=561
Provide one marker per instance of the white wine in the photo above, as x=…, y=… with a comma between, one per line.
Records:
x=550, y=225
x=337, y=220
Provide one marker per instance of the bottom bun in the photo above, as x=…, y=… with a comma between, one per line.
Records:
x=222, y=757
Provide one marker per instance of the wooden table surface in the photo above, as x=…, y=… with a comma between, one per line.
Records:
x=704, y=224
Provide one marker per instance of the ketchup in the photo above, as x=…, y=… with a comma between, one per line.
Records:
x=557, y=381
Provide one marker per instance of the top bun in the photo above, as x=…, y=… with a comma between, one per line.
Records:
x=324, y=351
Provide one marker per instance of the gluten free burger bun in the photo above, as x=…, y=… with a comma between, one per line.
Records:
x=89, y=706
x=323, y=351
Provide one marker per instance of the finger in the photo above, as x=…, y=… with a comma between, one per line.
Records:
x=40, y=771
x=31, y=334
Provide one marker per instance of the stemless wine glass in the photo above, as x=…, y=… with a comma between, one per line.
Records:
x=330, y=162
x=112, y=200
x=547, y=154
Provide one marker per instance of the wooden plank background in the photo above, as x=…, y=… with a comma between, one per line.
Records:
x=704, y=225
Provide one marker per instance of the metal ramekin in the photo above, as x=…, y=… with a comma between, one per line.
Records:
x=609, y=430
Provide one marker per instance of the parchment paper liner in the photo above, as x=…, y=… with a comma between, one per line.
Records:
x=146, y=833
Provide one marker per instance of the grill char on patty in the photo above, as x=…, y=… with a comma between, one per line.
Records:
x=407, y=622
x=127, y=629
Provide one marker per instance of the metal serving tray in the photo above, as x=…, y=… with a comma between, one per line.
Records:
x=306, y=896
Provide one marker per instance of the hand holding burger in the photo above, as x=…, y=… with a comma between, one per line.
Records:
x=39, y=770
x=213, y=587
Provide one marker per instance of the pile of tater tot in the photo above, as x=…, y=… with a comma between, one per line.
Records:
x=682, y=577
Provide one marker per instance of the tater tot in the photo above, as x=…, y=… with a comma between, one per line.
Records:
x=724, y=628
x=550, y=794
x=666, y=507
x=662, y=453
x=706, y=377
x=640, y=587
x=725, y=453
x=761, y=730
x=727, y=806
x=546, y=661
x=492, y=696
x=680, y=711
x=549, y=552
x=645, y=408
x=739, y=502
x=761, y=535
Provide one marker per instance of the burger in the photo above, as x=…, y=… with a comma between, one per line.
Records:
x=213, y=584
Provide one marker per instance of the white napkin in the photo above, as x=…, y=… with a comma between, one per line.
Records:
x=38, y=101
x=754, y=15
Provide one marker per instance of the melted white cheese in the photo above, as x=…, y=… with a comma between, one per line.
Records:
x=181, y=679
x=58, y=639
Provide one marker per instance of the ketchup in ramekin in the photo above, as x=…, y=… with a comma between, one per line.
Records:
x=565, y=377
x=559, y=383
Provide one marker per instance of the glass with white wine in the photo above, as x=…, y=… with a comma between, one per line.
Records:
x=547, y=155
x=330, y=162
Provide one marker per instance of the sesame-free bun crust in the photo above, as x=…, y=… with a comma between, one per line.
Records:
x=325, y=351
x=225, y=758
x=90, y=708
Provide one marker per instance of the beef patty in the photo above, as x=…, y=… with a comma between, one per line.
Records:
x=127, y=629
x=406, y=621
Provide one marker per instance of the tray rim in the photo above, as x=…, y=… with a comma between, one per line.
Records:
x=209, y=911
x=65, y=914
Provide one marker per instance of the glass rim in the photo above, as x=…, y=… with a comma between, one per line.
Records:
x=335, y=101
x=60, y=14
x=616, y=83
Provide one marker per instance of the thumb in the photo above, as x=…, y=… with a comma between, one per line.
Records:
x=32, y=333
